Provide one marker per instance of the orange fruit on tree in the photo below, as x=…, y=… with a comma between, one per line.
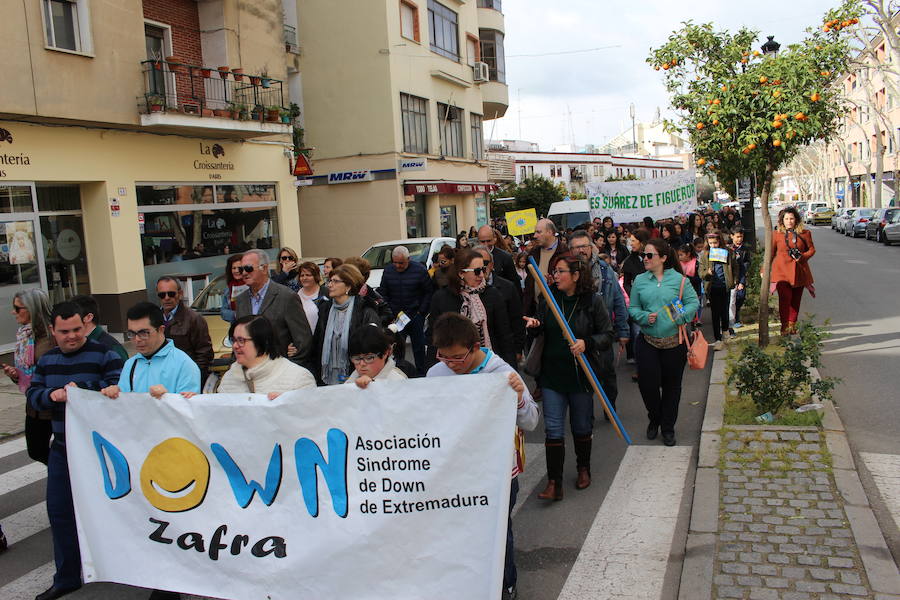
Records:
x=701, y=162
x=724, y=88
x=846, y=23
x=656, y=67
x=665, y=66
x=776, y=124
x=825, y=73
x=776, y=93
x=746, y=150
x=756, y=53
x=744, y=60
x=777, y=82
x=745, y=53
x=776, y=143
x=752, y=146
x=717, y=101
x=854, y=20
x=763, y=79
x=674, y=61
x=826, y=29
x=815, y=97
x=791, y=134
x=715, y=121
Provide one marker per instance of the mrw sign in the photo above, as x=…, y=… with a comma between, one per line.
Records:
x=630, y=201
x=397, y=491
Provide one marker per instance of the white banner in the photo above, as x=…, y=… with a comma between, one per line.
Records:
x=397, y=491
x=631, y=201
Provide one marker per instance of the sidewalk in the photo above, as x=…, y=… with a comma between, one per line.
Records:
x=779, y=513
x=12, y=408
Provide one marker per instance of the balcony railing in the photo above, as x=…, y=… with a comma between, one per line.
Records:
x=290, y=39
x=207, y=92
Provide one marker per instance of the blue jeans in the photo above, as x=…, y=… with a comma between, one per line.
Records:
x=581, y=417
x=510, y=575
x=61, y=511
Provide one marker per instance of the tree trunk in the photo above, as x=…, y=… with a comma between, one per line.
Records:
x=766, y=274
x=879, y=170
x=748, y=217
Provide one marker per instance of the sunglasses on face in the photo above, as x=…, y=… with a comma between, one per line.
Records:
x=477, y=271
x=18, y=308
x=284, y=258
x=162, y=295
x=250, y=268
x=648, y=255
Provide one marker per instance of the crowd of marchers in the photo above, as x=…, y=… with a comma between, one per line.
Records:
x=622, y=288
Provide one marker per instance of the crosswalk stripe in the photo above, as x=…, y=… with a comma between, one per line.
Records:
x=628, y=545
x=8, y=448
x=885, y=470
x=532, y=475
x=26, y=523
x=25, y=586
x=22, y=476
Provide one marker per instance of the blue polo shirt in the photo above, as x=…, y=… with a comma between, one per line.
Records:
x=169, y=367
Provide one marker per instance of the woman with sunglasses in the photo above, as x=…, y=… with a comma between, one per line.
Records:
x=258, y=366
x=468, y=294
x=340, y=316
x=659, y=353
x=31, y=309
x=287, y=269
x=564, y=386
x=370, y=352
x=234, y=278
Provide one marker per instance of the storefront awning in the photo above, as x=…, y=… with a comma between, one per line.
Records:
x=411, y=188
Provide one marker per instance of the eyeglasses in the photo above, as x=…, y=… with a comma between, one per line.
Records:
x=453, y=359
x=142, y=335
x=558, y=271
x=162, y=295
x=490, y=241
x=17, y=308
x=583, y=246
x=237, y=342
x=334, y=280
x=285, y=258
x=250, y=268
x=477, y=270
x=367, y=359
x=648, y=255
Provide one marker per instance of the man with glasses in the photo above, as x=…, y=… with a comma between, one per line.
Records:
x=158, y=367
x=504, y=266
x=184, y=325
x=282, y=307
x=76, y=361
x=607, y=286
x=407, y=287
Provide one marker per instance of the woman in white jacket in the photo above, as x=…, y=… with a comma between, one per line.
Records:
x=371, y=349
x=258, y=366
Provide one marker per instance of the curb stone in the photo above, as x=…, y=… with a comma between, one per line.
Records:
x=699, y=558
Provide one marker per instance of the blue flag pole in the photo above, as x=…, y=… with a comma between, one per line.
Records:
x=535, y=270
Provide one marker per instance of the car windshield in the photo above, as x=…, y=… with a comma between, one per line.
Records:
x=820, y=209
x=380, y=256
x=865, y=212
x=209, y=301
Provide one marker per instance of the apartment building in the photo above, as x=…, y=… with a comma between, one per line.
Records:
x=873, y=124
x=574, y=170
x=396, y=96
x=139, y=138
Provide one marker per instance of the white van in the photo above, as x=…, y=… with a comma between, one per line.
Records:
x=569, y=213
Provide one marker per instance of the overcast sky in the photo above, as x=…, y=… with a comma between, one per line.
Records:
x=597, y=87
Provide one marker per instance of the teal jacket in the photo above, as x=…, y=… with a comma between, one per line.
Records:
x=649, y=295
x=169, y=367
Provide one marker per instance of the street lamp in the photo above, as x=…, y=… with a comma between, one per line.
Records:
x=633, y=138
x=771, y=46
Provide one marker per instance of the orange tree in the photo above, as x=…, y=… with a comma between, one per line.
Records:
x=747, y=113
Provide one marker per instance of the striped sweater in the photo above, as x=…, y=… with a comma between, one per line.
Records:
x=92, y=367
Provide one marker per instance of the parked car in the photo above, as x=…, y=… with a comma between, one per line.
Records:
x=811, y=208
x=801, y=208
x=881, y=218
x=820, y=215
x=844, y=218
x=420, y=249
x=838, y=214
x=891, y=232
x=856, y=224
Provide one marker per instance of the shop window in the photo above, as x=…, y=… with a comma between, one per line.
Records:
x=448, y=221
x=414, y=117
x=15, y=198
x=67, y=25
x=58, y=197
x=477, y=127
x=451, y=130
x=481, y=211
x=415, y=217
x=165, y=194
x=492, y=53
x=245, y=193
x=409, y=21
x=443, y=29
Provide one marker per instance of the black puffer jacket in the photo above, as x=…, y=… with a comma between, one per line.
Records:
x=446, y=300
x=590, y=322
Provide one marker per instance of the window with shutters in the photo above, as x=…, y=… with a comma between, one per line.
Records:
x=414, y=117
x=450, y=127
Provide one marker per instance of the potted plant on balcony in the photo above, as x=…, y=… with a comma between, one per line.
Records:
x=176, y=65
x=156, y=103
x=294, y=110
x=238, y=74
x=205, y=72
x=285, y=116
x=234, y=109
x=254, y=80
x=264, y=79
x=225, y=113
x=223, y=72
x=273, y=114
x=258, y=113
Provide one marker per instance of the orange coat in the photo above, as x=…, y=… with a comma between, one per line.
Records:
x=785, y=268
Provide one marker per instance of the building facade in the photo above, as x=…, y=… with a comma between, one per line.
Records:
x=139, y=138
x=575, y=170
x=396, y=95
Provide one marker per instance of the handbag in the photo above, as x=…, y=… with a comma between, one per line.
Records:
x=697, y=346
x=532, y=364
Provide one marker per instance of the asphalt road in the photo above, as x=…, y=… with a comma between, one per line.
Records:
x=858, y=290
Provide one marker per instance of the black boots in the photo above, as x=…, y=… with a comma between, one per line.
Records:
x=556, y=456
x=583, y=458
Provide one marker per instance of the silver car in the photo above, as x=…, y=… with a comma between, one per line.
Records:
x=842, y=219
x=856, y=224
x=891, y=231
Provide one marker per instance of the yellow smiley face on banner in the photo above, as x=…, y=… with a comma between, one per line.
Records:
x=175, y=475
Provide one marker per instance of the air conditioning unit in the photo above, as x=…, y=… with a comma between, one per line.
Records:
x=481, y=72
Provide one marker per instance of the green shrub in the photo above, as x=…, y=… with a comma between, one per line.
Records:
x=773, y=379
